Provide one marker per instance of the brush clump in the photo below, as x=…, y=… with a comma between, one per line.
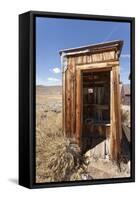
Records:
x=62, y=161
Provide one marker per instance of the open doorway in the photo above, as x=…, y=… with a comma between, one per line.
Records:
x=96, y=110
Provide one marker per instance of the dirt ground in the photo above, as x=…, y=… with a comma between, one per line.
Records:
x=49, y=128
x=104, y=169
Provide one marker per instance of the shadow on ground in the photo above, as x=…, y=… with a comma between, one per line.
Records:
x=13, y=180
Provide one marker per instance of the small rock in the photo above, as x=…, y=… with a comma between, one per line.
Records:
x=86, y=177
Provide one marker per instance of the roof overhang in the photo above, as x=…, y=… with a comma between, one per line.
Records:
x=94, y=48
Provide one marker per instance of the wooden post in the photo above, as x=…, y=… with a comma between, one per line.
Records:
x=117, y=112
x=78, y=106
x=115, y=116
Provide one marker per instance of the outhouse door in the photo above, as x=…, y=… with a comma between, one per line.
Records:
x=93, y=109
x=98, y=110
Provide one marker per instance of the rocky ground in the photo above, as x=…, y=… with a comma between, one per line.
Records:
x=104, y=169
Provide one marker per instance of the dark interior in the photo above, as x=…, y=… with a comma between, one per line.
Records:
x=96, y=107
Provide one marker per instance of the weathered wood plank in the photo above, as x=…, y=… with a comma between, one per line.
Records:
x=78, y=105
x=96, y=66
x=97, y=57
x=111, y=110
x=72, y=82
x=118, y=107
x=116, y=118
x=63, y=103
x=112, y=116
x=68, y=104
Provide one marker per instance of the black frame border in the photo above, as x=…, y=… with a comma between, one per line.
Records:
x=27, y=97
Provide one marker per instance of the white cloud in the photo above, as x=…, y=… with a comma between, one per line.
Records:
x=55, y=70
x=53, y=79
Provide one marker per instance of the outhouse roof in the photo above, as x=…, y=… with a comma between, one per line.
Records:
x=100, y=47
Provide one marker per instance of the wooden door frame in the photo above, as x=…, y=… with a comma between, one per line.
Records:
x=79, y=100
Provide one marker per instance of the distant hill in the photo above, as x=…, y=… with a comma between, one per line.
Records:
x=49, y=90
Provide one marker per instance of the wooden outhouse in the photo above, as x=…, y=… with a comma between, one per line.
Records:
x=91, y=96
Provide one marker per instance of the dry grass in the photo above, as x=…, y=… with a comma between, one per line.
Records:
x=61, y=161
x=57, y=158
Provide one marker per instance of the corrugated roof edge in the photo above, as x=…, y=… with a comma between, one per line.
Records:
x=118, y=43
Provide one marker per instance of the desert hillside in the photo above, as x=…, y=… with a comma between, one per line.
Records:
x=48, y=90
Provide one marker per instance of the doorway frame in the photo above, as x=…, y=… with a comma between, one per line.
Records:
x=82, y=106
x=80, y=69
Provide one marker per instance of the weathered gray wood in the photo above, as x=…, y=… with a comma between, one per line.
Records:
x=78, y=105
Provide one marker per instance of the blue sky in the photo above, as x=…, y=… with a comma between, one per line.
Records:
x=53, y=35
